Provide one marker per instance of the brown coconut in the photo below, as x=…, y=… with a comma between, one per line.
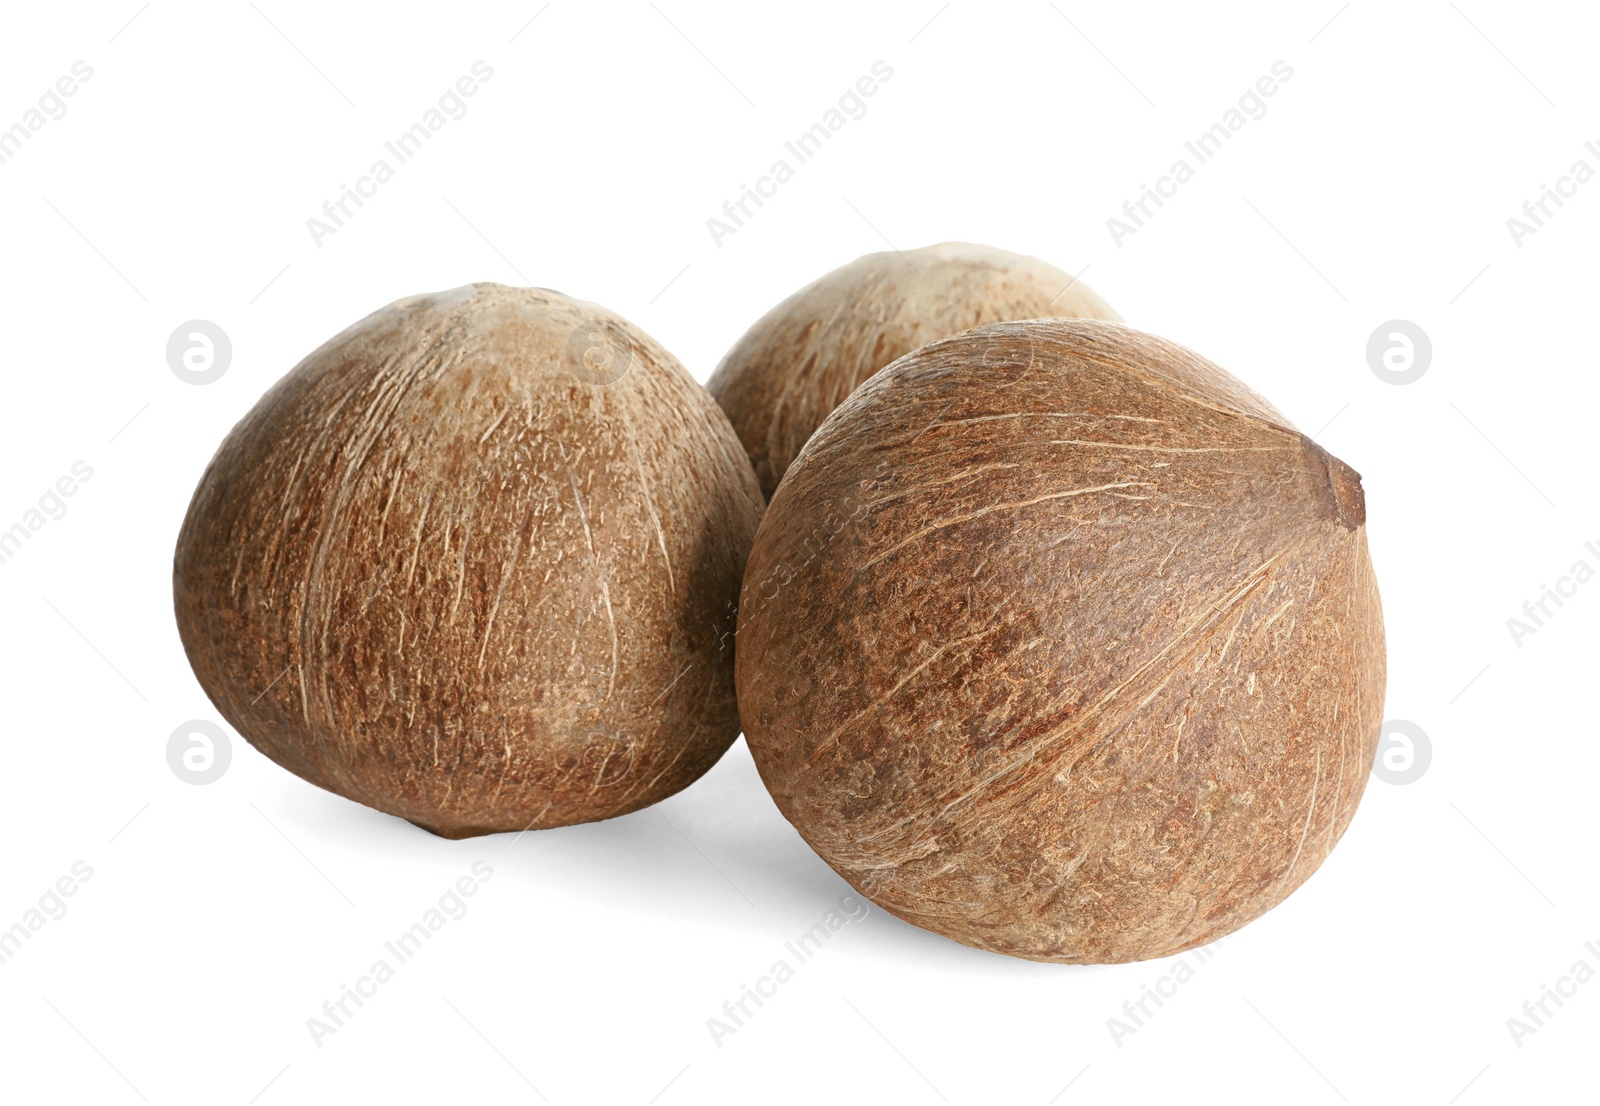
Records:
x=802, y=358
x=471, y=563
x=1059, y=641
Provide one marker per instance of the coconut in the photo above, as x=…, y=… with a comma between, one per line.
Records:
x=1061, y=642
x=802, y=358
x=472, y=563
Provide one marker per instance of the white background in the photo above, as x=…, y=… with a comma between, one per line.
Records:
x=219, y=918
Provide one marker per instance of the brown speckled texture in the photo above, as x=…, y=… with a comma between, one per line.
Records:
x=449, y=568
x=1059, y=641
x=800, y=360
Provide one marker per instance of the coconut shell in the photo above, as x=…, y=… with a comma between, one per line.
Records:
x=1059, y=641
x=802, y=358
x=472, y=563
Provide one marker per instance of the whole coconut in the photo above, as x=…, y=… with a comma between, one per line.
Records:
x=800, y=360
x=1059, y=641
x=471, y=563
